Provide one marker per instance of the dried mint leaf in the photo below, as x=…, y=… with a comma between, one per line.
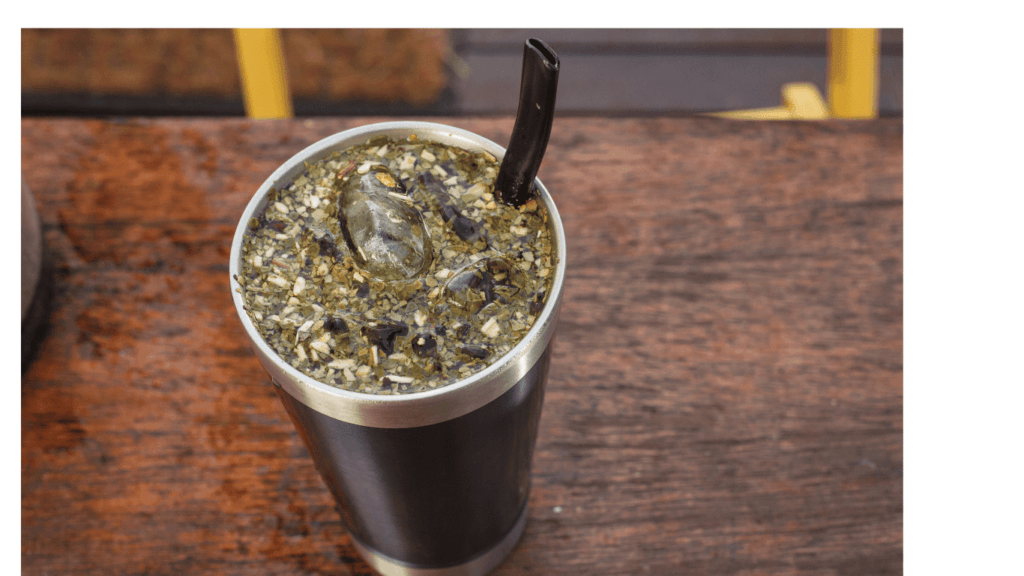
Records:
x=477, y=352
x=424, y=345
x=466, y=228
x=538, y=303
x=326, y=243
x=383, y=335
x=335, y=325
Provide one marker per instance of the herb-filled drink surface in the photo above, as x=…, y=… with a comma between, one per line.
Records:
x=392, y=267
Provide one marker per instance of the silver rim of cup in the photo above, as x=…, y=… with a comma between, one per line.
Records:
x=421, y=408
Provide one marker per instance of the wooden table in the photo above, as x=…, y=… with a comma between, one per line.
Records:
x=725, y=395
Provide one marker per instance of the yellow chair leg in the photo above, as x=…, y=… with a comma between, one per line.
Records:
x=264, y=81
x=800, y=101
x=804, y=101
x=853, y=73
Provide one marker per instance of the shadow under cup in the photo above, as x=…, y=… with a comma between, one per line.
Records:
x=433, y=482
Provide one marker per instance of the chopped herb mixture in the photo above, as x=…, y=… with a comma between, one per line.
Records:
x=392, y=267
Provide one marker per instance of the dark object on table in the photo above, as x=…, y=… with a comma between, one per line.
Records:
x=36, y=279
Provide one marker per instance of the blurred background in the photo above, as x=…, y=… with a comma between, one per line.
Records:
x=401, y=72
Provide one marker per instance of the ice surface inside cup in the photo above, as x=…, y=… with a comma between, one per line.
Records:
x=391, y=267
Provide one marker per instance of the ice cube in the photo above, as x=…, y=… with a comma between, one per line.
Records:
x=382, y=228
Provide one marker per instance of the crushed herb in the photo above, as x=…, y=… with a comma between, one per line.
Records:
x=391, y=268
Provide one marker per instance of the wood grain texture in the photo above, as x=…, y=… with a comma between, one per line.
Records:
x=386, y=65
x=725, y=395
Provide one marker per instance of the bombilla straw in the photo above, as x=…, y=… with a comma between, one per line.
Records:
x=533, y=123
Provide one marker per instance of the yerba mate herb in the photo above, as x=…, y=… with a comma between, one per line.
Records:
x=390, y=267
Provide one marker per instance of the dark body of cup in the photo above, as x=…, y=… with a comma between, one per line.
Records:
x=432, y=496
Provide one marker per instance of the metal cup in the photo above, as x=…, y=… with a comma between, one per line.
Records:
x=433, y=482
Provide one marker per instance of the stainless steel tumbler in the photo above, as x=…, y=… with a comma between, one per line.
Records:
x=433, y=482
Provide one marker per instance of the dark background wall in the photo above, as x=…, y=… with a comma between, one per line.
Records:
x=434, y=72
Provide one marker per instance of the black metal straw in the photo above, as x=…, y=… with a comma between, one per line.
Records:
x=533, y=123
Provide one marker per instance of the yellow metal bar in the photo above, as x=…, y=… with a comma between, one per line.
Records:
x=804, y=101
x=853, y=72
x=800, y=101
x=264, y=80
x=773, y=113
